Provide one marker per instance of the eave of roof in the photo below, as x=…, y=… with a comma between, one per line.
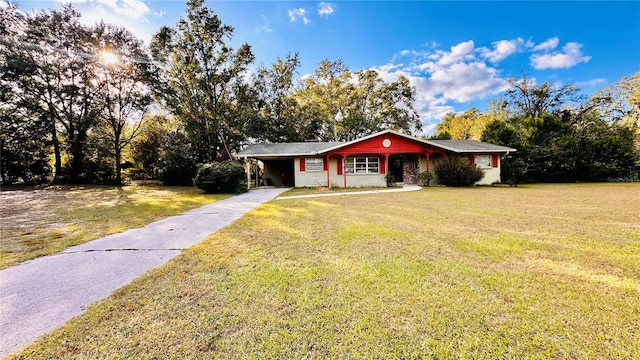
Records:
x=468, y=146
x=318, y=148
x=287, y=149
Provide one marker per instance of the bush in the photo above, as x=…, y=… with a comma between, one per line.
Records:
x=390, y=179
x=424, y=178
x=458, y=171
x=221, y=177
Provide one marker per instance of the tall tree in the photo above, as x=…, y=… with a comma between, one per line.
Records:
x=324, y=98
x=52, y=73
x=466, y=126
x=341, y=105
x=127, y=75
x=619, y=103
x=23, y=136
x=201, y=71
x=529, y=100
x=275, y=86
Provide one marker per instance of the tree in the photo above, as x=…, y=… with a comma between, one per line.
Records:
x=275, y=87
x=377, y=105
x=127, y=75
x=324, y=98
x=23, y=136
x=530, y=101
x=146, y=149
x=200, y=71
x=51, y=71
x=342, y=106
x=619, y=103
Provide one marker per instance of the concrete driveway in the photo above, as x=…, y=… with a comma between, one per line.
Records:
x=42, y=294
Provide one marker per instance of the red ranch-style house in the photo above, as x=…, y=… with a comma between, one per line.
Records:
x=368, y=160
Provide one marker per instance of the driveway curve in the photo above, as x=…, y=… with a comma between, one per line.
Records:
x=42, y=294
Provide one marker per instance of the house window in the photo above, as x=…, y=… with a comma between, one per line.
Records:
x=483, y=161
x=363, y=165
x=314, y=164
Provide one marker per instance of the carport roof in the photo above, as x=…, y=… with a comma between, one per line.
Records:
x=288, y=149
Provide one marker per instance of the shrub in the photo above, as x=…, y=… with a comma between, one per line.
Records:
x=424, y=178
x=391, y=180
x=221, y=177
x=457, y=171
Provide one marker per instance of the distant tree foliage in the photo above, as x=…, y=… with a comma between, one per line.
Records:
x=558, y=143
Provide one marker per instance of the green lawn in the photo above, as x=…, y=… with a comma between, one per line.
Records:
x=532, y=272
x=44, y=222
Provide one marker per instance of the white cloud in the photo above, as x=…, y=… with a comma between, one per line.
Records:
x=295, y=14
x=265, y=27
x=462, y=51
x=141, y=28
x=571, y=55
x=134, y=9
x=501, y=49
x=325, y=9
x=547, y=45
x=442, y=78
x=591, y=82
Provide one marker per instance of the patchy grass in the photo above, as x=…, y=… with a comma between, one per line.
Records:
x=44, y=222
x=544, y=272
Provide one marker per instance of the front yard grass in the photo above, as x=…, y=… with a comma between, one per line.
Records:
x=47, y=221
x=535, y=272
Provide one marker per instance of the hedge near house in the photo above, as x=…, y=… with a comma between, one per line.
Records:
x=221, y=177
x=458, y=171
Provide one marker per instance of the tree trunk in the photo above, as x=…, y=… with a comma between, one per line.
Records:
x=56, y=152
x=77, y=155
x=118, y=159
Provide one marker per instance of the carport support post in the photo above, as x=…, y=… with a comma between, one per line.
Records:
x=247, y=164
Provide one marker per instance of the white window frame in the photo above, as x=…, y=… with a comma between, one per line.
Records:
x=483, y=161
x=313, y=164
x=363, y=165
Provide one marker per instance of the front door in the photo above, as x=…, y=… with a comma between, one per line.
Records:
x=411, y=166
x=396, y=167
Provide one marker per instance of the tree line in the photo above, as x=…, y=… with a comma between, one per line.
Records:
x=87, y=104
x=559, y=136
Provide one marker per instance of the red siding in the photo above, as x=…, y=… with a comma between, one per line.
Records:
x=494, y=161
x=325, y=164
x=302, y=164
x=374, y=146
x=472, y=159
x=339, y=160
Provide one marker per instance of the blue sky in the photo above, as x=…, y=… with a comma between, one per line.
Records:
x=457, y=54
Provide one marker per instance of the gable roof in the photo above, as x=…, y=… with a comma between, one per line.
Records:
x=317, y=148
